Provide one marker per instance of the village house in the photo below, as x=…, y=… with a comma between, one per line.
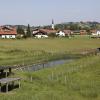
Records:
x=35, y=31
x=43, y=33
x=60, y=34
x=76, y=32
x=95, y=32
x=8, y=32
x=83, y=32
x=68, y=32
x=64, y=33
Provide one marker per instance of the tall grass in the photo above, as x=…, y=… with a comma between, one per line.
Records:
x=14, y=52
x=79, y=80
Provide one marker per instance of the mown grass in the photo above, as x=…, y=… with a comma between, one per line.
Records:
x=79, y=80
x=14, y=52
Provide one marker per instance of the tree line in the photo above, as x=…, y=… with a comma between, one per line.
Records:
x=26, y=32
x=76, y=26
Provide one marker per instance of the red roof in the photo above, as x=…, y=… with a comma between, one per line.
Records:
x=67, y=32
x=47, y=31
x=5, y=30
x=44, y=31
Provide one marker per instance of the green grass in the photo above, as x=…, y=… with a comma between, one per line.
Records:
x=79, y=80
x=14, y=52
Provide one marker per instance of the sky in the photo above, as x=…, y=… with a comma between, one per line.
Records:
x=41, y=12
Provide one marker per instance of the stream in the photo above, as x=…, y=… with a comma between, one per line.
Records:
x=36, y=67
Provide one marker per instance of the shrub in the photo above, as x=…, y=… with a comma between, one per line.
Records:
x=52, y=34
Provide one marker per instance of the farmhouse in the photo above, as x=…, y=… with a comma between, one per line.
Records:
x=76, y=32
x=97, y=33
x=43, y=33
x=47, y=31
x=93, y=31
x=68, y=32
x=8, y=32
x=83, y=32
x=64, y=33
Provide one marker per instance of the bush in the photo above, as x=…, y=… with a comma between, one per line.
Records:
x=52, y=35
x=18, y=36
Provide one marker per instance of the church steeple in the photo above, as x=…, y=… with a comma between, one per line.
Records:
x=53, y=24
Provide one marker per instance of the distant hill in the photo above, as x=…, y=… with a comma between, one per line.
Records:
x=67, y=25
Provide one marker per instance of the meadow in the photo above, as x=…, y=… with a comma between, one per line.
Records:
x=29, y=51
x=77, y=80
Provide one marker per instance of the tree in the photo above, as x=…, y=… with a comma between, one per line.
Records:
x=28, y=34
x=20, y=31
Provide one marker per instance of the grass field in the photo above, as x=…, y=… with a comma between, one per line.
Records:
x=14, y=52
x=79, y=80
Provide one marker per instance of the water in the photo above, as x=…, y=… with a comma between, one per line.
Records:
x=37, y=67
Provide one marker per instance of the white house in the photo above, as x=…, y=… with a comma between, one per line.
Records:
x=60, y=34
x=64, y=33
x=41, y=36
x=96, y=34
x=8, y=36
x=8, y=32
x=43, y=33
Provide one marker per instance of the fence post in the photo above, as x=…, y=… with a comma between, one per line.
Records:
x=52, y=76
x=57, y=78
x=6, y=87
x=65, y=79
x=0, y=87
x=6, y=74
x=31, y=79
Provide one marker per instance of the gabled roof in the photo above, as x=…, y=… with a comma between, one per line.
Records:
x=47, y=31
x=67, y=31
x=6, y=30
x=44, y=31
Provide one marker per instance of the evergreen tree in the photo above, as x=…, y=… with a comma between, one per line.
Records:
x=28, y=31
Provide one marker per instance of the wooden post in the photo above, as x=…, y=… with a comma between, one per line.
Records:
x=6, y=87
x=65, y=79
x=0, y=87
x=6, y=74
x=2, y=72
x=13, y=84
x=10, y=70
x=43, y=65
x=31, y=78
x=52, y=76
x=57, y=78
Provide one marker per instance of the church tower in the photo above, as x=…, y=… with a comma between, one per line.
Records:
x=53, y=25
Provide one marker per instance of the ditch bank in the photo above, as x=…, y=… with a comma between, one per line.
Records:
x=55, y=62
x=49, y=64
